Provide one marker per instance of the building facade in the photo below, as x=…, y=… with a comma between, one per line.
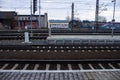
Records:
x=59, y=24
x=6, y=19
x=27, y=20
x=10, y=20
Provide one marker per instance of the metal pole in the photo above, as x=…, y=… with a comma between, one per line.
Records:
x=18, y=24
x=18, y=21
x=49, y=27
x=114, y=10
x=113, y=20
x=31, y=17
x=72, y=16
x=96, y=15
x=39, y=14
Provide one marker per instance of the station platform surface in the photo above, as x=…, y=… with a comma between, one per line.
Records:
x=74, y=37
x=99, y=75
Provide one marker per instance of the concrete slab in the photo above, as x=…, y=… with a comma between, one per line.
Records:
x=104, y=75
x=75, y=37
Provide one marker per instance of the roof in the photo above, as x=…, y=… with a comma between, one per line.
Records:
x=30, y=15
x=7, y=15
x=58, y=21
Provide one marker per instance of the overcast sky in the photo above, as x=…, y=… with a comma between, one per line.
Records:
x=60, y=9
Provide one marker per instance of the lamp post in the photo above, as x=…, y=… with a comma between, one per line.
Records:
x=113, y=20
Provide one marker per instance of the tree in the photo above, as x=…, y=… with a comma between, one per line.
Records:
x=102, y=19
x=68, y=18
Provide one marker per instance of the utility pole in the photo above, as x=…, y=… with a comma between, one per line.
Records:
x=113, y=20
x=39, y=13
x=96, y=15
x=72, y=15
x=31, y=17
x=114, y=1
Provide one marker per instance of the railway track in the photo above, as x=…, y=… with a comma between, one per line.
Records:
x=20, y=36
x=71, y=70
x=59, y=52
x=58, y=59
x=64, y=66
x=43, y=34
x=60, y=47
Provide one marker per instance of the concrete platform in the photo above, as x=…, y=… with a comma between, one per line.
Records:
x=74, y=37
x=100, y=75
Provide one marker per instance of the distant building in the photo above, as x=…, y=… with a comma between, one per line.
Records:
x=6, y=19
x=25, y=20
x=10, y=20
x=58, y=23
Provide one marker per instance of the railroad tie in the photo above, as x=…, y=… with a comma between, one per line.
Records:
x=55, y=47
x=47, y=66
x=1, y=50
x=83, y=51
x=43, y=47
x=111, y=65
x=62, y=50
x=102, y=50
x=67, y=47
x=89, y=51
x=101, y=47
x=36, y=66
x=108, y=50
x=90, y=47
x=58, y=66
x=55, y=51
x=4, y=66
x=101, y=66
x=96, y=50
x=115, y=50
x=117, y=47
x=34, y=50
x=21, y=50
x=73, y=47
x=90, y=65
x=107, y=47
x=80, y=66
x=15, y=66
x=27, y=50
x=79, y=47
x=69, y=66
x=76, y=50
x=96, y=47
x=41, y=50
x=14, y=50
x=69, y=50
x=25, y=67
x=49, y=47
x=8, y=50
x=48, y=51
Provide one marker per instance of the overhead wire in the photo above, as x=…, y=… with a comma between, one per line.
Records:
x=87, y=4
